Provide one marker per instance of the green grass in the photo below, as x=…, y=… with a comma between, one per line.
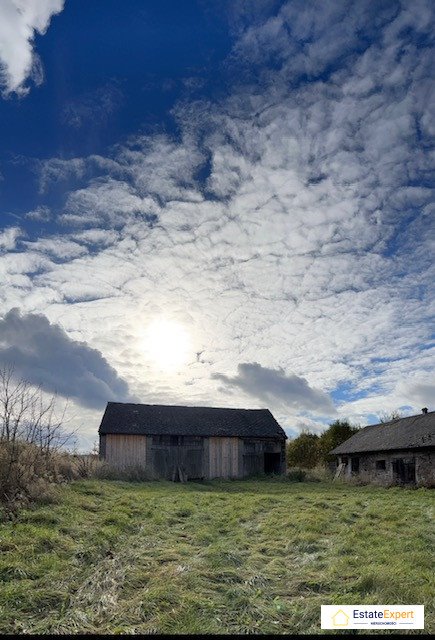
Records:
x=223, y=557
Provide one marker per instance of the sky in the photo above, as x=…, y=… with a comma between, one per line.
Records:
x=220, y=203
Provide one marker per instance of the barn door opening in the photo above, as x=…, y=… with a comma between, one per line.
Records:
x=404, y=472
x=354, y=465
x=272, y=463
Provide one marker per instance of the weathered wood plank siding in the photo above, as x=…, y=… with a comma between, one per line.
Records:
x=262, y=456
x=224, y=458
x=215, y=457
x=102, y=446
x=126, y=450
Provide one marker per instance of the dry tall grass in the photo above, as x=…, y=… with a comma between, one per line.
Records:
x=28, y=474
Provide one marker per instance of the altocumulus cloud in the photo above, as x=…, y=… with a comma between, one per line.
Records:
x=274, y=387
x=302, y=207
x=44, y=354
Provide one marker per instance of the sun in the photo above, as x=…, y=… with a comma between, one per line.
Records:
x=167, y=344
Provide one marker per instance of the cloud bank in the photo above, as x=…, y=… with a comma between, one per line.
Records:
x=19, y=21
x=276, y=389
x=43, y=354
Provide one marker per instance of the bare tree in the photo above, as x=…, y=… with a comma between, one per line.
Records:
x=386, y=416
x=31, y=432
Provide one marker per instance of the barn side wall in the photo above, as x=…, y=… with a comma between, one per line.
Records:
x=166, y=458
x=214, y=457
x=122, y=451
x=255, y=451
x=424, y=462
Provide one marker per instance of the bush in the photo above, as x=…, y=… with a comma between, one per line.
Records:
x=26, y=474
x=86, y=465
x=42, y=492
x=303, y=451
x=65, y=467
x=320, y=473
x=134, y=473
x=296, y=475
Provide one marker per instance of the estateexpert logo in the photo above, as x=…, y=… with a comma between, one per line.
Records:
x=368, y=616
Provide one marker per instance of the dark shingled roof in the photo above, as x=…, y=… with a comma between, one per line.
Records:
x=413, y=432
x=155, y=419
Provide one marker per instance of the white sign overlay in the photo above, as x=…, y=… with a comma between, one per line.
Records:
x=370, y=616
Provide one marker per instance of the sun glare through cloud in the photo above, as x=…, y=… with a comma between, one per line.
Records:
x=167, y=345
x=256, y=231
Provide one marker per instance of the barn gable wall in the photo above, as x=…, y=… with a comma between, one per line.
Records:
x=124, y=451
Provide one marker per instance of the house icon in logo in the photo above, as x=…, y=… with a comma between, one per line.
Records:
x=340, y=619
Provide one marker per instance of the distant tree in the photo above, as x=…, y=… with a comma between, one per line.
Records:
x=335, y=434
x=389, y=417
x=303, y=451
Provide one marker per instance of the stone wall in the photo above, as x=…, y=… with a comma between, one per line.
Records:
x=370, y=472
x=426, y=469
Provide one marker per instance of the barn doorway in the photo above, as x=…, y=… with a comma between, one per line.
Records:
x=272, y=463
x=404, y=472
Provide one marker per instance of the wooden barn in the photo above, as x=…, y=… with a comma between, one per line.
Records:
x=401, y=451
x=182, y=443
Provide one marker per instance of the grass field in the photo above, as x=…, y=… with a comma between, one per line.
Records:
x=242, y=557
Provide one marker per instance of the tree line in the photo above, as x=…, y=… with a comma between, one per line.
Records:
x=309, y=450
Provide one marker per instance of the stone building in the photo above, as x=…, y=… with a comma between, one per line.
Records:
x=398, y=452
x=181, y=443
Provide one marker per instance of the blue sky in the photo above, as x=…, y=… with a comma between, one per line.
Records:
x=128, y=64
x=219, y=203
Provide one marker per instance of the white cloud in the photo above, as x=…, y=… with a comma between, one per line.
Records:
x=104, y=202
x=96, y=237
x=9, y=237
x=56, y=169
x=19, y=21
x=307, y=249
x=417, y=392
x=40, y=214
x=57, y=247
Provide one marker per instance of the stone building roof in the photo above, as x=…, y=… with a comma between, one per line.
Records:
x=413, y=432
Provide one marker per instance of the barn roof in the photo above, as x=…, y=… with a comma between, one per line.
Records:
x=413, y=432
x=155, y=419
